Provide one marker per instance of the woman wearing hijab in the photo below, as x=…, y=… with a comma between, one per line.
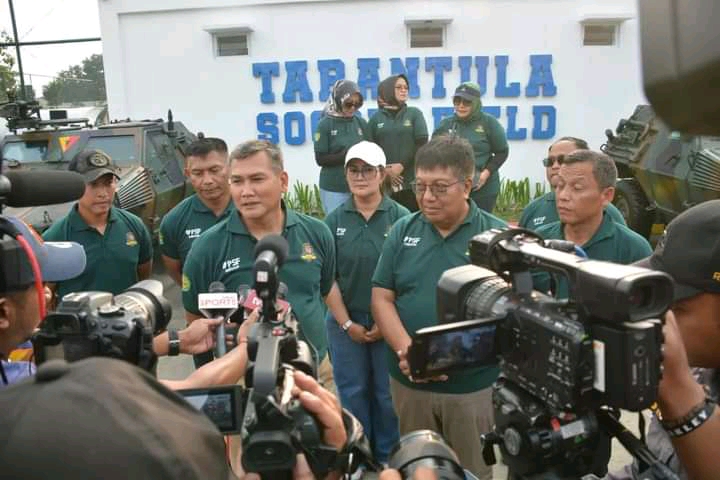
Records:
x=487, y=138
x=338, y=130
x=399, y=130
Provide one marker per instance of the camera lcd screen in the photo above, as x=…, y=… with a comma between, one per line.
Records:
x=461, y=349
x=218, y=406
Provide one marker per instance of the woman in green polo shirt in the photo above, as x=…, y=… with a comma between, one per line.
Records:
x=487, y=138
x=338, y=130
x=360, y=226
x=399, y=130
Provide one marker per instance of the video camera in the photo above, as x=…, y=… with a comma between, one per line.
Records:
x=92, y=324
x=564, y=363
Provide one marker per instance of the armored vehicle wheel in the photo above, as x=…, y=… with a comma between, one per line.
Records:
x=632, y=203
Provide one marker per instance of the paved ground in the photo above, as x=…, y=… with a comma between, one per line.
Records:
x=181, y=366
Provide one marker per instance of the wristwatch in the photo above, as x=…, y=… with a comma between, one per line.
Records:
x=174, y=344
x=346, y=326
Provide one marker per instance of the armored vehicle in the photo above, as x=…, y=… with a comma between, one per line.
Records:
x=149, y=155
x=661, y=173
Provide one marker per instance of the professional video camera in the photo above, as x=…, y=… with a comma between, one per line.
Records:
x=89, y=324
x=564, y=363
x=275, y=427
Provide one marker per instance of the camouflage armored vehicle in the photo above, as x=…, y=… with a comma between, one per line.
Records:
x=148, y=153
x=661, y=173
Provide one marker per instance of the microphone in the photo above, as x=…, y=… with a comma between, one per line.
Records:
x=218, y=303
x=33, y=188
x=270, y=253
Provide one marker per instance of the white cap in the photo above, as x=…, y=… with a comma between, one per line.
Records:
x=368, y=152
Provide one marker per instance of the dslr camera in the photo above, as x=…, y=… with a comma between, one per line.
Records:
x=98, y=324
x=565, y=365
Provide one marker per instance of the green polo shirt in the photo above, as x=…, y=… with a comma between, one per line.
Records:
x=396, y=132
x=333, y=135
x=184, y=223
x=413, y=258
x=611, y=243
x=358, y=244
x=112, y=258
x=486, y=136
x=225, y=253
x=543, y=210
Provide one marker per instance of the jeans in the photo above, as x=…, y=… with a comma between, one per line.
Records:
x=331, y=200
x=363, y=382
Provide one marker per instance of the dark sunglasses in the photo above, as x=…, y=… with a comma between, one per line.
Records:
x=549, y=161
x=464, y=101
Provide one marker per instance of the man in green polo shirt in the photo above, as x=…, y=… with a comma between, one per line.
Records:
x=585, y=186
x=418, y=249
x=207, y=169
x=117, y=244
x=225, y=252
x=543, y=210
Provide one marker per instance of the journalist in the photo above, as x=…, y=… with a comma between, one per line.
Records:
x=684, y=432
x=543, y=210
x=224, y=252
x=117, y=243
x=584, y=188
x=418, y=249
x=360, y=226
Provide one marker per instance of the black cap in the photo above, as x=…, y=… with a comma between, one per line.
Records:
x=467, y=92
x=689, y=251
x=101, y=418
x=92, y=164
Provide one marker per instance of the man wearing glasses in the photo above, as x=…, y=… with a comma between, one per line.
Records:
x=418, y=249
x=543, y=210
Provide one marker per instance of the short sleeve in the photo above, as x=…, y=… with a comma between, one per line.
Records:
x=168, y=241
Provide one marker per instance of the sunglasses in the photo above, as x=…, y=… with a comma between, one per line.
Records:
x=550, y=161
x=459, y=100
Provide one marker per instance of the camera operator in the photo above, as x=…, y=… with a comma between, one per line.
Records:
x=20, y=311
x=690, y=253
x=584, y=188
x=117, y=243
x=418, y=249
x=224, y=252
x=543, y=210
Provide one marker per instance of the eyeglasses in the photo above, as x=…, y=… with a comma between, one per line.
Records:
x=550, y=161
x=362, y=172
x=436, y=189
x=458, y=100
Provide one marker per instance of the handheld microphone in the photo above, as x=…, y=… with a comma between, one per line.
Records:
x=218, y=303
x=34, y=188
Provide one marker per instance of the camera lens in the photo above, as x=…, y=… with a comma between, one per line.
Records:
x=425, y=448
x=146, y=299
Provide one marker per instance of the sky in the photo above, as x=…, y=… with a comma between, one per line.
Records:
x=52, y=20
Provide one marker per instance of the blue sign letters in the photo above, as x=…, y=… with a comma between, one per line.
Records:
x=293, y=127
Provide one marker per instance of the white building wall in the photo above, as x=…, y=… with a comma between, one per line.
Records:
x=158, y=55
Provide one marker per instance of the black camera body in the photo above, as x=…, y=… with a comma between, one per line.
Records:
x=89, y=324
x=562, y=361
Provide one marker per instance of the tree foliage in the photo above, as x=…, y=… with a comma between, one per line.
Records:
x=79, y=83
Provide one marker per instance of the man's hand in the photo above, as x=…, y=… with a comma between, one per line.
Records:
x=199, y=336
x=405, y=369
x=374, y=334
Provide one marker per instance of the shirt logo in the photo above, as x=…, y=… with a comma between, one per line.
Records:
x=333, y=133
x=407, y=123
x=308, y=254
x=193, y=232
x=340, y=232
x=130, y=240
x=380, y=125
x=538, y=221
x=231, y=265
x=411, y=241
